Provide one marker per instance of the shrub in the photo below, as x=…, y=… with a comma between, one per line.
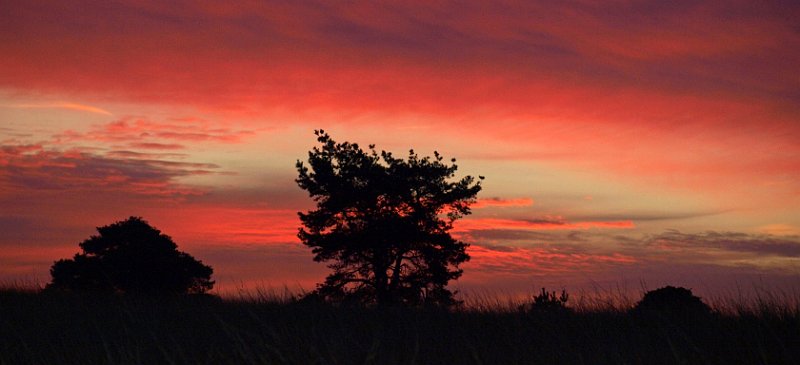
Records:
x=672, y=300
x=131, y=256
x=548, y=302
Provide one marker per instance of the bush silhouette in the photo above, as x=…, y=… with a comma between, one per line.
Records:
x=131, y=256
x=672, y=300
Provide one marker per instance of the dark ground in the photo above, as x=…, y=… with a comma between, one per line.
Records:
x=37, y=328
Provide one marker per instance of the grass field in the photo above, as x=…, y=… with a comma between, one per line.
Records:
x=42, y=328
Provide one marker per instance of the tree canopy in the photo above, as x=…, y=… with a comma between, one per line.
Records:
x=382, y=223
x=131, y=256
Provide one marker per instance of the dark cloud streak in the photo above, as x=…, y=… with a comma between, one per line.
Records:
x=765, y=245
x=32, y=167
x=646, y=216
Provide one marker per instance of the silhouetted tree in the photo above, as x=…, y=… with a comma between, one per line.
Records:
x=131, y=256
x=383, y=223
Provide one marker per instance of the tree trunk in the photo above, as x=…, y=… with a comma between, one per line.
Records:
x=379, y=266
x=394, y=284
x=398, y=262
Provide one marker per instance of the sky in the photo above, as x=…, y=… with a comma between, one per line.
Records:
x=625, y=144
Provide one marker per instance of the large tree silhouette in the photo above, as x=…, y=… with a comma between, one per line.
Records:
x=131, y=256
x=383, y=223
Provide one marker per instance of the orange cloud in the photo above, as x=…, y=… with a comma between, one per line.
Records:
x=62, y=105
x=501, y=202
x=231, y=225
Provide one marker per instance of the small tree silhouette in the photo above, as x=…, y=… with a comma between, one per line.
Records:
x=131, y=256
x=672, y=300
x=548, y=302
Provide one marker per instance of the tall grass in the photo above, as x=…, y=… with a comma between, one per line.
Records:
x=273, y=327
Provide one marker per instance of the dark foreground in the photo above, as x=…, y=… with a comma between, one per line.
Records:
x=60, y=329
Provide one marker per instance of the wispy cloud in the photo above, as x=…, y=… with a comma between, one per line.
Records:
x=158, y=146
x=62, y=105
x=753, y=244
x=546, y=223
x=647, y=216
x=543, y=260
x=35, y=166
x=148, y=134
x=502, y=202
x=501, y=236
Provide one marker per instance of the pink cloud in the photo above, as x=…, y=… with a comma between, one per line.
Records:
x=610, y=88
x=144, y=133
x=535, y=261
x=476, y=59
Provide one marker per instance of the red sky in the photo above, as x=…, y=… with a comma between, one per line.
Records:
x=622, y=142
